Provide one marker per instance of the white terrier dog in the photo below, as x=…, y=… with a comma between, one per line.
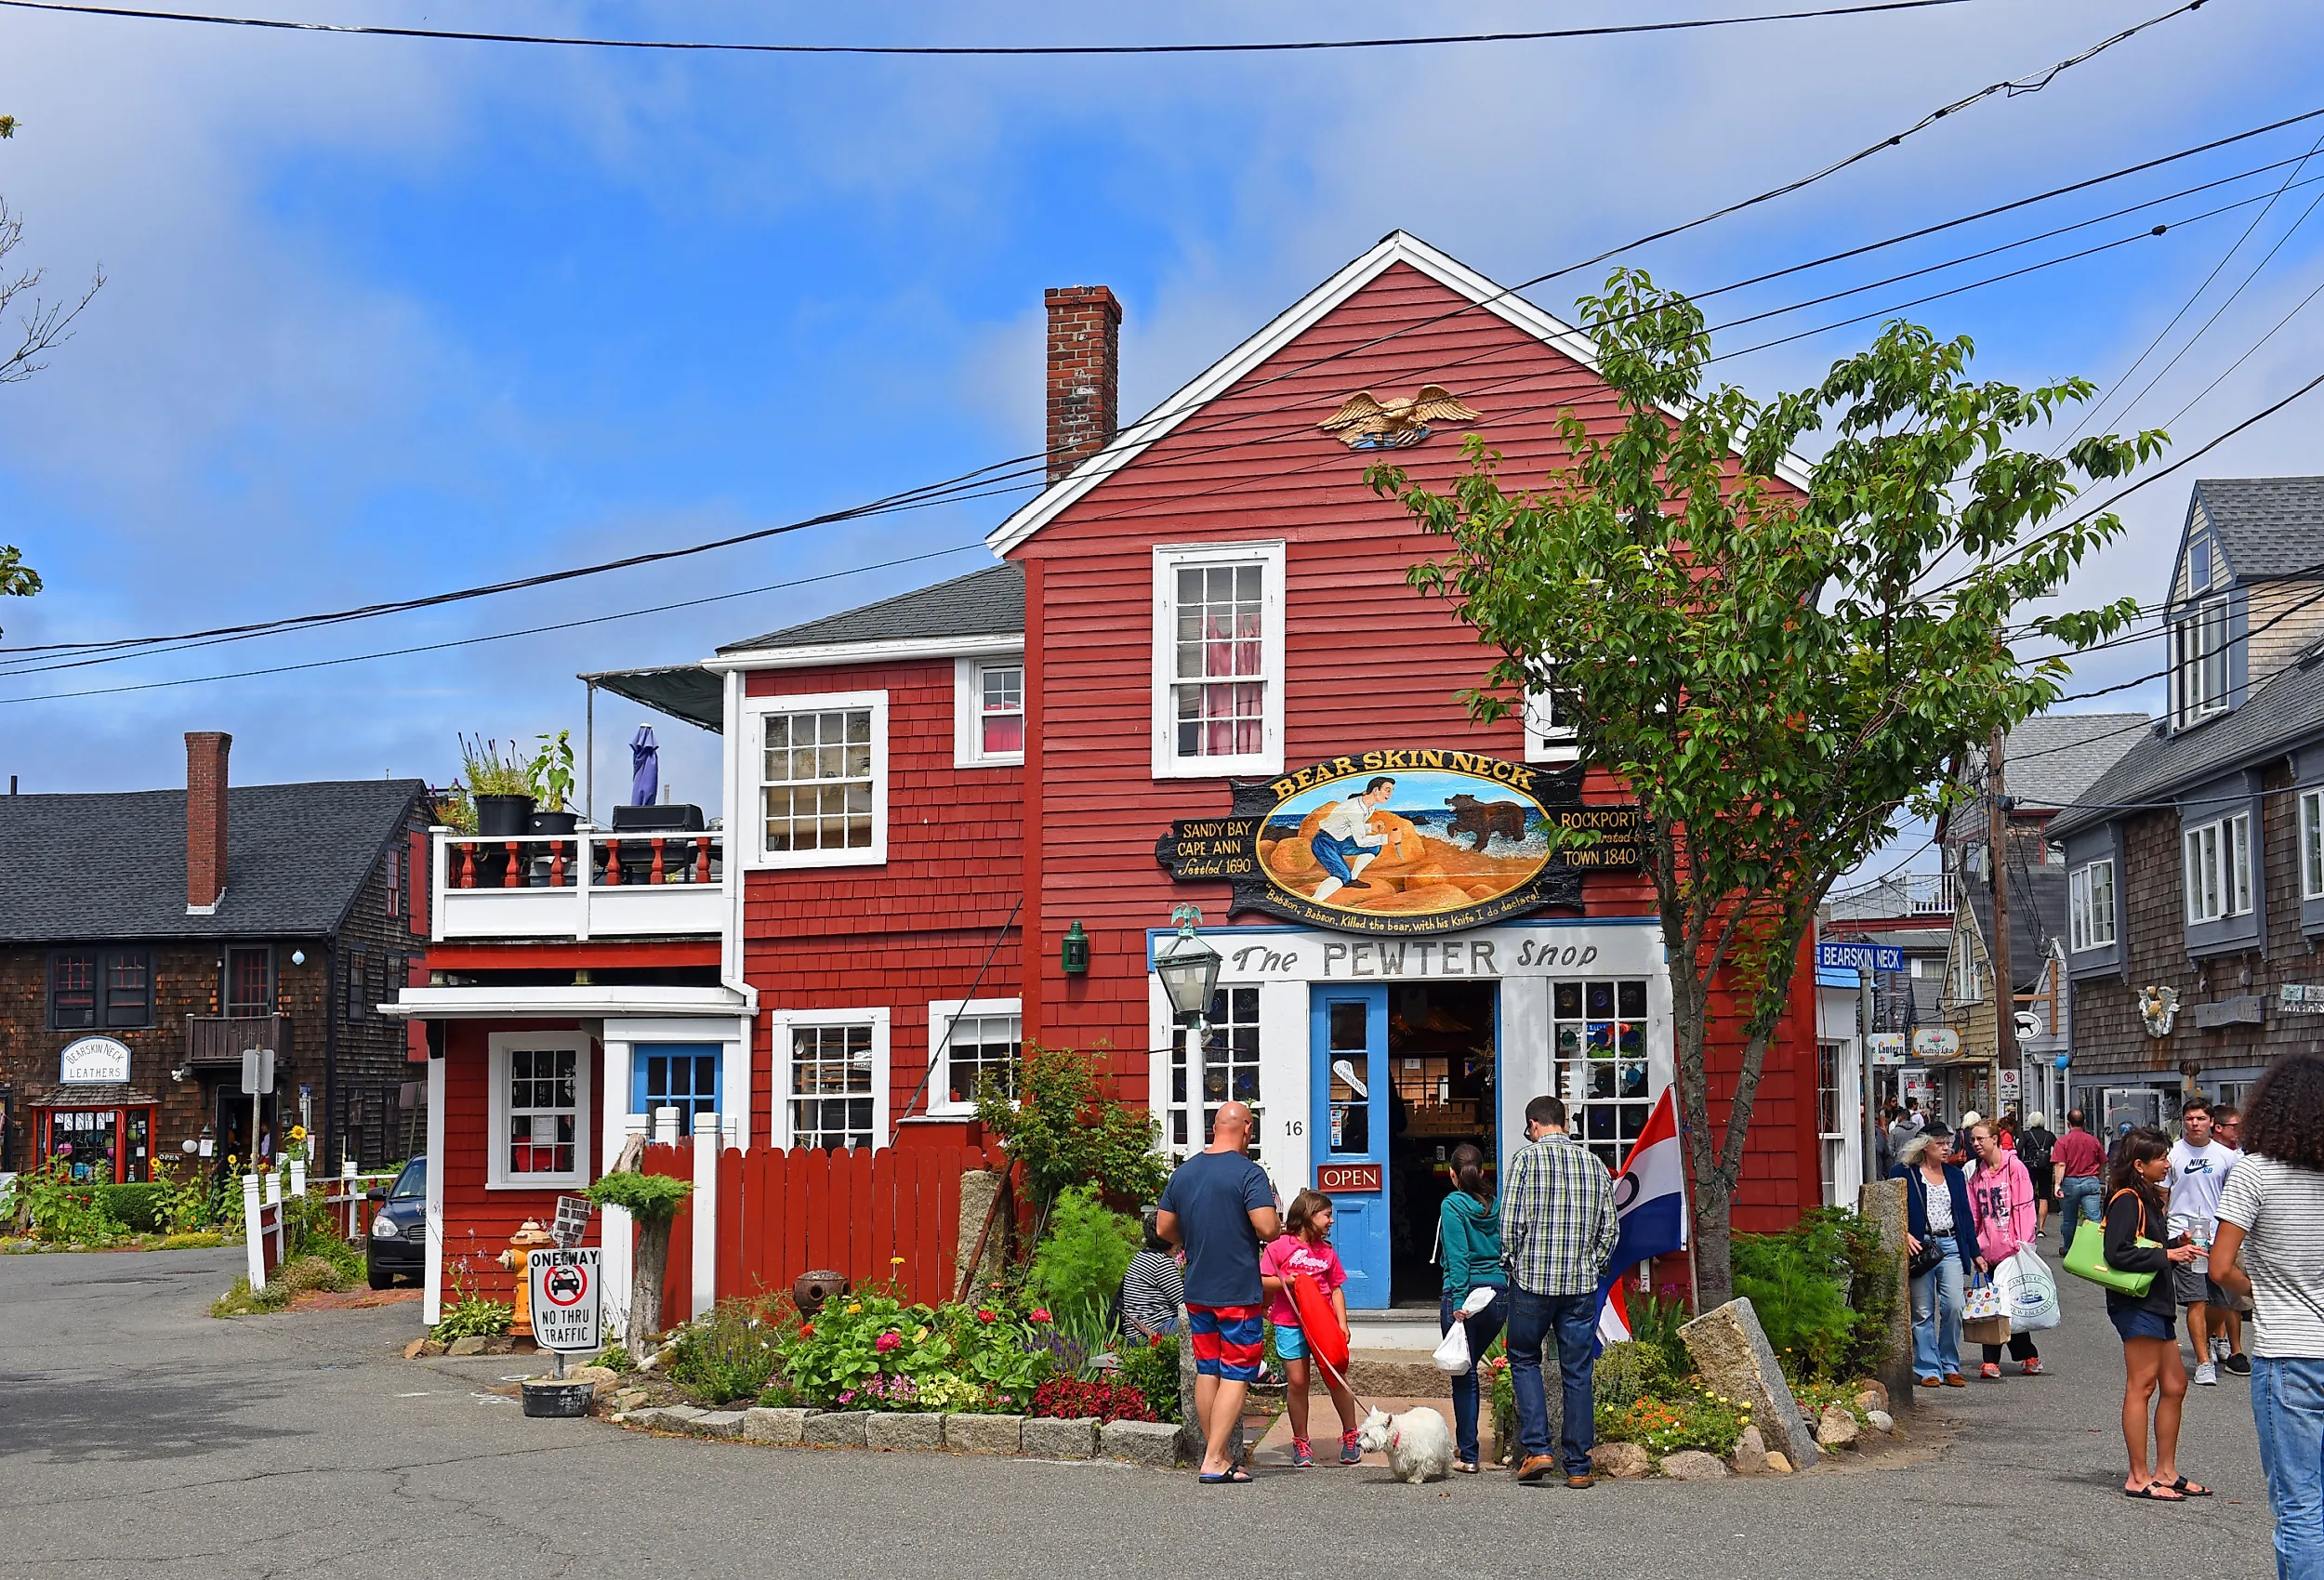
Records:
x=1419, y=1444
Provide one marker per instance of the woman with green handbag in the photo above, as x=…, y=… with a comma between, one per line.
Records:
x=2153, y=1372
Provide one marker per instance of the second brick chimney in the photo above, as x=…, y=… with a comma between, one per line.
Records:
x=205, y=819
x=1085, y=366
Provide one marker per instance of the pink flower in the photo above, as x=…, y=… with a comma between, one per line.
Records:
x=1039, y=1313
x=983, y=1316
x=888, y=1341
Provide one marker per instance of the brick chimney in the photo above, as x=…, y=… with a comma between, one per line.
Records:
x=1085, y=368
x=205, y=819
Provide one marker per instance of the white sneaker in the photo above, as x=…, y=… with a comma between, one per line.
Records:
x=2218, y=1348
x=2207, y=1374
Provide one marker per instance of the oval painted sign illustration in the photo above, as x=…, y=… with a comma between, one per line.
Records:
x=1418, y=842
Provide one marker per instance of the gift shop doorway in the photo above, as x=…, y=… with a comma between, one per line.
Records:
x=1403, y=1075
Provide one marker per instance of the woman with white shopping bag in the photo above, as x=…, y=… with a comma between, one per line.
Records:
x=2001, y=1205
x=1469, y=1239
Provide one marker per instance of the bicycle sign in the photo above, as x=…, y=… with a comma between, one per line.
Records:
x=566, y=1308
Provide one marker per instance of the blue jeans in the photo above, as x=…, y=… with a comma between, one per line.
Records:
x=2081, y=1200
x=1482, y=1327
x=2288, y=1407
x=1572, y=1320
x=1936, y=1296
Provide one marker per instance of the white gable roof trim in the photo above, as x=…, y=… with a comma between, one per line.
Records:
x=1398, y=247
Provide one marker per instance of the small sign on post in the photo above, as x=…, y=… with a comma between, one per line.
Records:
x=566, y=1308
x=1859, y=958
x=572, y=1221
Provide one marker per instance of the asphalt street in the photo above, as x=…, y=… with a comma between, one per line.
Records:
x=139, y=1437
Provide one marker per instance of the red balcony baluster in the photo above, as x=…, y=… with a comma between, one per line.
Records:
x=613, y=864
x=556, y=863
x=468, y=864
x=657, y=875
x=516, y=868
x=702, y=860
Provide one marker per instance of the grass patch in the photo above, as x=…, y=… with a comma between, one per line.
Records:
x=242, y=1302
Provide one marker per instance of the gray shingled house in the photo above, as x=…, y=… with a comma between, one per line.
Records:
x=148, y=937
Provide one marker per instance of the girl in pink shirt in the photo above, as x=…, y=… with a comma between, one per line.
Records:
x=2002, y=1197
x=1304, y=1246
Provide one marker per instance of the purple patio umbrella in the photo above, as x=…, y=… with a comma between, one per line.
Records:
x=645, y=768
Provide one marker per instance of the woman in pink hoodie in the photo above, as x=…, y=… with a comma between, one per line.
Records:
x=2001, y=1201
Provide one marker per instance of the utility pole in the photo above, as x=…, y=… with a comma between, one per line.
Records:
x=1996, y=863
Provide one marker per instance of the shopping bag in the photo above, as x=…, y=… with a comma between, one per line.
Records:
x=1452, y=1356
x=1983, y=1300
x=2087, y=1259
x=2028, y=1293
x=1986, y=1330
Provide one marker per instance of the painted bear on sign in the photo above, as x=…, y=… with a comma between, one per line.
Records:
x=1485, y=819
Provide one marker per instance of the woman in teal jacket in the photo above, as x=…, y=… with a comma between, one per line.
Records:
x=1468, y=1234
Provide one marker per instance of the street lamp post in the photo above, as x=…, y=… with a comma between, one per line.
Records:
x=1189, y=969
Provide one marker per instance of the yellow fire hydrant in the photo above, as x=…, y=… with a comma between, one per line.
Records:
x=518, y=1259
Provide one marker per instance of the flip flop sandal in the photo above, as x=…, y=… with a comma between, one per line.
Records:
x=1237, y=1477
x=2185, y=1488
x=2155, y=1492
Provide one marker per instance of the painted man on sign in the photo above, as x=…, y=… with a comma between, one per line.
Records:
x=1345, y=842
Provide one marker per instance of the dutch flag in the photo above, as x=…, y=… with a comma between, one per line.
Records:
x=1650, y=1200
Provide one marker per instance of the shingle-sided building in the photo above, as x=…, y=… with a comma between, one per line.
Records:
x=147, y=938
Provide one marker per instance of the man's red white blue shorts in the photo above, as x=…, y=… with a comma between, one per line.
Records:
x=1228, y=1341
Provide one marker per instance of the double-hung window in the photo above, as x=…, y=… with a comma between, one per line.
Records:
x=2312, y=845
x=974, y=1042
x=2219, y=869
x=1218, y=660
x=94, y=988
x=2090, y=905
x=820, y=790
x=835, y=1067
x=540, y=1109
x=2198, y=663
x=988, y=722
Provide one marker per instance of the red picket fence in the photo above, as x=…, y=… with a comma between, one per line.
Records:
x=785, y=1212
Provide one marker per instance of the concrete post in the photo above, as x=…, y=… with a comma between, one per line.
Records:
x=703, y=1293
x=1881, y=1203
x=980, y=1189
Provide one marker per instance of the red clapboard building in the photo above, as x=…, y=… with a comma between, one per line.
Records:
x=960, y=821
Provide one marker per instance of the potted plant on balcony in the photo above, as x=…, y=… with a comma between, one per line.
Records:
x=502, y=788
x=549, y=775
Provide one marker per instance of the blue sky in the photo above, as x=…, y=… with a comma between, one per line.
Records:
x=385, y=317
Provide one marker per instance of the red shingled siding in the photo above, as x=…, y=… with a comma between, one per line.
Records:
x=478, y=1221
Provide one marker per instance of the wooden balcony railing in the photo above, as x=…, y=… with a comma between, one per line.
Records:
x=218, y=1040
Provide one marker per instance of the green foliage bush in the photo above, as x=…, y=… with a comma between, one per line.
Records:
x=1152, y=1369
x=64, y=1211
x=139, y=1209
x=1627, y=1372
x=1065, y=1132
x=973, y=1357
x=311, y=1271
x=649, y=1199
x=1079, y=1263
x=241, y=1301
x=474, y=1317
x=1823, y=1289
x=730, y=1354
x=1665, y=1426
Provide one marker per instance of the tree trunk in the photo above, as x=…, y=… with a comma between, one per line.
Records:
x=645, y=1288
x=1714, y=1242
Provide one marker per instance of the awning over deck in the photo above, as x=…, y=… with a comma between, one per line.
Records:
x=686, y=691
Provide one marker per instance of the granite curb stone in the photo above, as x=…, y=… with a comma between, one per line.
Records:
x=1140, y=1443
x=1049, y=1437
x=836, y=1429
x=719, y=1424
x=760, y=1425
x=984, y=1434
x=904, y=1429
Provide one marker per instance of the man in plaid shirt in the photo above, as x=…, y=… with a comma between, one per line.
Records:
x=1558, y=1228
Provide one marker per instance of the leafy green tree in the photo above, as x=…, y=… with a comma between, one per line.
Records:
x=1777, y=674
x=1063, y=1130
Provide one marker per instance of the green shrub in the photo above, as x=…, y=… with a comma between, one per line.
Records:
x=1152, y=1369
x=1065, y=1132
x=1655, y=1324
x=730, y=1354
x=309, y=1272
x=614, y=1358
x=1665, y=1426
x=1823, y=1289
x=241, y=1301
x=61, y=1210
x=649, y=1199
x=1079, y=1265
x=474, y=1317
x=136, y=1207
x=1627, y=1372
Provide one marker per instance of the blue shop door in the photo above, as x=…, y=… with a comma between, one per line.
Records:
x=1350, y=1040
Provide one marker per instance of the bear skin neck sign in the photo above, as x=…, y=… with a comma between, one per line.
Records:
x=1406, y=842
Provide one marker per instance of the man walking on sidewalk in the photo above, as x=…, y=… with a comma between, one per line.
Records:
x=2199, y=1172
x=1558, y=1229
x=2081, y=1164
x=1220, y=1207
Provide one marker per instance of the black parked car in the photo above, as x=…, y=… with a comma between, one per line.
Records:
x=398, y=1243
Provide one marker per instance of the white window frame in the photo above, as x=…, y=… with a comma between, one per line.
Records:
x=1547, y=740
x=749, y=760
x=1169, y=560
x=2198, y=642
x=2312, y=845
x=968, y=711
x=2216, y=858
x=779, y=1053
x=941, y=1013
x=499, y=1046
x=2091, y=923
x=1965, y=980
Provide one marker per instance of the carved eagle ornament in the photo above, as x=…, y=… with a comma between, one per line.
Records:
x=1365, y=422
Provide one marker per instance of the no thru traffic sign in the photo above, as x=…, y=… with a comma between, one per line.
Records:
x=566, y=1310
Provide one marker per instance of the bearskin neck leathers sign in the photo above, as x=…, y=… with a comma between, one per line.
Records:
x=1404, y=842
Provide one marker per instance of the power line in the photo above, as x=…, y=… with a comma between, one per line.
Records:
x=1001, y=51
x=936, y=493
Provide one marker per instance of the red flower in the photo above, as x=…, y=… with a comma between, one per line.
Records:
x=1040, y=1314
x=887, y=1341
x=983, y=1316
x=807, y=1330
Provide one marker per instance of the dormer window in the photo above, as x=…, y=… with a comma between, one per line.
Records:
x=2199, y=565
x=2198, y=663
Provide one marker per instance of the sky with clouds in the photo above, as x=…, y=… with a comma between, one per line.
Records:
x=383, y=317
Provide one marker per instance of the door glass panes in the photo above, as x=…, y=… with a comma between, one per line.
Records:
x=137, y=1138
x=685, y=1079
x=1349, y=1034
x=1598, y=1038
x=816, y=781
x=247, y=983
